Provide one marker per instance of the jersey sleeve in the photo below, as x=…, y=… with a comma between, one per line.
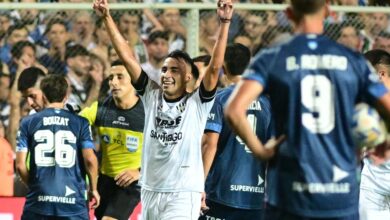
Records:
x=22, y=138
x=373, y=87
x=215, y=118
x=86, y=135
x=257, y=69
x=90, y=113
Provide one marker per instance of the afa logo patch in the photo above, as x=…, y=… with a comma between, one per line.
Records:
x=106, y=138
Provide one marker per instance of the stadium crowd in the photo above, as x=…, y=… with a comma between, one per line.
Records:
x=78, y=46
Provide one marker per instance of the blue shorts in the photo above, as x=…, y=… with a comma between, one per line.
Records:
x=218, y=212
x=274, y=213
x=28, y=215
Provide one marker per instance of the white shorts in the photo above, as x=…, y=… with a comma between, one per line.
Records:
x=170, y=205
x=373, y=206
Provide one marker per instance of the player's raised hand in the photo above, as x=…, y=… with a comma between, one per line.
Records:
x=95, y=198
x=127, y=177
x=101, y=7
x=225, y=10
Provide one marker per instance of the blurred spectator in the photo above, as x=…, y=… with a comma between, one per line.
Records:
x=255, y=24
x=78, y=65
x=5, y=83
x=5, y=23
x=272, y=36
x=23, y=56
x=7, y=165
x=82, y=29
x=57, y=35
x=378, y=22
x=170, y=20
x=84, y=79
x=28, y=17
x=15, y=33
x=208, y=26
x=157, y=46
x=102, y=42
x=129, y=24
x=349, y=36
x=112, y=55
x=383, y=41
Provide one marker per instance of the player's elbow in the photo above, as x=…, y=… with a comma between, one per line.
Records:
x=232, y=113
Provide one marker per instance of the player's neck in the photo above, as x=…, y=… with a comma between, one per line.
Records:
x=310, y=25
x=55, y=105
x=126, y=102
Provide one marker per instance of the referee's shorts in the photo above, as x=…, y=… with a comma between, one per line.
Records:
x=115, y=201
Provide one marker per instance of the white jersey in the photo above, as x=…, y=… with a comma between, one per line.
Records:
x=172, y=160
x=153, y=73
x=376, y=178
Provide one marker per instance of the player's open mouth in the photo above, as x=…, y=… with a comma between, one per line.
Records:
x=168, y=82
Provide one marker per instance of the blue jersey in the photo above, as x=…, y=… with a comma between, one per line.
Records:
x=236, y=178
x=313, y=85
x=54, y=139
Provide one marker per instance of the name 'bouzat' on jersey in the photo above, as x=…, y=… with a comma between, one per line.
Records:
x=314, y=84
x=236, y=178
x=54, y=139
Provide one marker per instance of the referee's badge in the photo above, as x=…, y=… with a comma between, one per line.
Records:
x=132, y=143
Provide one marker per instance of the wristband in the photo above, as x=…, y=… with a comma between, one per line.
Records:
x=225, y=20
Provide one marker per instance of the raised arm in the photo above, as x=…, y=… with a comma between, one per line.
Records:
x=125, y=53
x=225, y=12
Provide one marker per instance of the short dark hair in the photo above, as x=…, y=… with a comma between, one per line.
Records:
x=378, y=56
x=178, y=54
x=202, y=59
x=157, y=34
x=29, y=77
x=117, y=63
x=17, y=49
x=54, y=21
x=16, y=26
x=54, y=87
x=384, y=34
x=237, y=57
x=75, y=50
x=305, y=7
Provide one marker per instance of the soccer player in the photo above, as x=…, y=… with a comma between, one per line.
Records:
x=313, y=83
x=235, y=183
x=171, y=170
x=374, y=199
x=60, y=154
x=119, y=120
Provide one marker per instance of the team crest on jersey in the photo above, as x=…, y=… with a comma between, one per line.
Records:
x=181, y=107
x=106, y=138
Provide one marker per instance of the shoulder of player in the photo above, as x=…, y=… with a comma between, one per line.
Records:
x=224, y=93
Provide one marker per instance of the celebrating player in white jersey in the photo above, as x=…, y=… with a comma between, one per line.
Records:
x=171, y=171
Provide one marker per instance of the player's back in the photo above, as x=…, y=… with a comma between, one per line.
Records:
x=313, y=85
x=236, y=178
x=56, y=169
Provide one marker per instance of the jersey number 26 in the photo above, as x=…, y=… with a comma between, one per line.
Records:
x=65, y=154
